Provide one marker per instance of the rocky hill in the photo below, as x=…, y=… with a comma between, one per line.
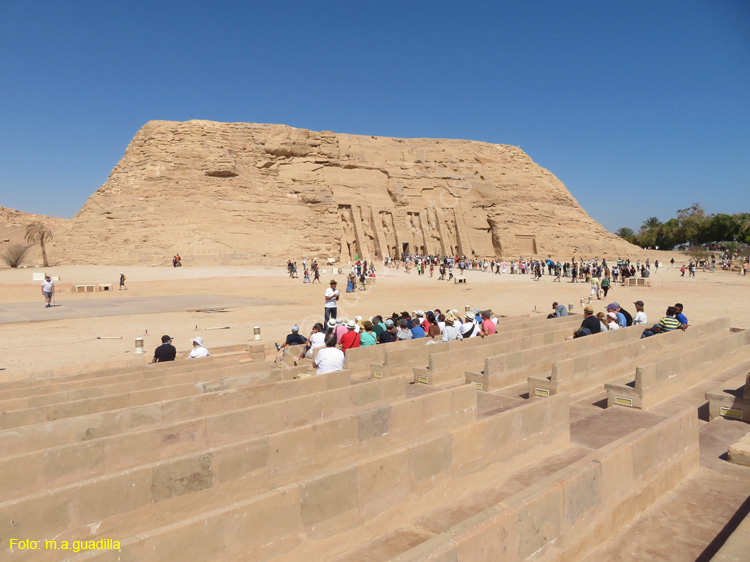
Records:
x=13, y=229
x=235, y=193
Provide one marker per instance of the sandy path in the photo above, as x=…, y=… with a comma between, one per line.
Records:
x=61, y=346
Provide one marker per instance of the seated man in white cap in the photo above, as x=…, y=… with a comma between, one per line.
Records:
x=351, y=338
x=198, y=349
x=469, y=329
x=450, y=332
x=295, y=338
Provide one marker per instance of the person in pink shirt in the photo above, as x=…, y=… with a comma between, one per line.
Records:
x=488, y=326
x=340, y=330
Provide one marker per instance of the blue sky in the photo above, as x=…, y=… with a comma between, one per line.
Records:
x=640, y=108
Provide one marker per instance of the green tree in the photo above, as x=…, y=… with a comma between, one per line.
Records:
x=625, y=232
x=38, y=233
x=691, y=221
x=650, y=224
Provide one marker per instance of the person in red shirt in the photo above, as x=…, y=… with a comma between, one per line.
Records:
x=351, y=338
x=488, y=326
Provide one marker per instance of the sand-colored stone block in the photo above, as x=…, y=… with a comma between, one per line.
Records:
x=532, y=420
x=436, y=405
x=430, y=457
x=290, y=449
x=491, y=534
x=110, y=495
x=266, y=526
x=540, y=519
x=236, y=461
x=468, y=443
x=582, y=493
x=383, y=481
x=373, y=422
x=502, y=431
x=645, y=453
x=182, y=476
x=38, y=517
x=63, y=463
x=337, y=435
x=200, y=539
x=616, y=473
x=329, y=495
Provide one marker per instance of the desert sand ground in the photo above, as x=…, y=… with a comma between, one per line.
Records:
x=52, y=346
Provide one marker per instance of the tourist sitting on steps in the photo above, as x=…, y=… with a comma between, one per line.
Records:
x=590, y=324
x=295, y=338
x=198, y=349
x=317, y=339
x=330, y=358
x=165, y=352
x=666, y=324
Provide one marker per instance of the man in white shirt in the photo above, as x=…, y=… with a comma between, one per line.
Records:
x=332, y=296
x=469, y=328
x=330, y=358
x=198, y=349
x=450, y=332
x=48, y=289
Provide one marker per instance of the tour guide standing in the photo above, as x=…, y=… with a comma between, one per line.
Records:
x=48, y=289
x=332, y=296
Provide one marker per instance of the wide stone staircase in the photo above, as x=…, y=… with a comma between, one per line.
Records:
x=496, y=448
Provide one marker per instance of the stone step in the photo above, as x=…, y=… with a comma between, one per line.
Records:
x=257, y=465
x=62, y=409
x=116, y=386
x=442, y=368
x=386, y=488
x=660, y=377
x=84, y=428
x=568, y=514
x=144, y=372
x=584, y=372
x=399, y=361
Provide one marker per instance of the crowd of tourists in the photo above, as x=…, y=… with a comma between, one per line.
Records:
x=336, y=335
x=615, y=317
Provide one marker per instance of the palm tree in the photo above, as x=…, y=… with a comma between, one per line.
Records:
x=37, y=232
x=624, y=232
x=649, y=223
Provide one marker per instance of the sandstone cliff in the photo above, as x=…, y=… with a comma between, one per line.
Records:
x=13, y=230
x=247, y=193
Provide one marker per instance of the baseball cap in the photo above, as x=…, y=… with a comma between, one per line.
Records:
x=589, y=309
x=198, y=340
x=389, y=323
x=295, y=328
x=165, y=338
x=612, y=306
x=612, y=314
x=420, y=312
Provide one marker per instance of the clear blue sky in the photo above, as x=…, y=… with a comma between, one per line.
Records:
x=640, y=108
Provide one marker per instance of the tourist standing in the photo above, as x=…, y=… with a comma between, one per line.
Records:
x=332, y=296
x=48, y=290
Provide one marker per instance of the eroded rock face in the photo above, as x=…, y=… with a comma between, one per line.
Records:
x=248, y=193
x=13, y=231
